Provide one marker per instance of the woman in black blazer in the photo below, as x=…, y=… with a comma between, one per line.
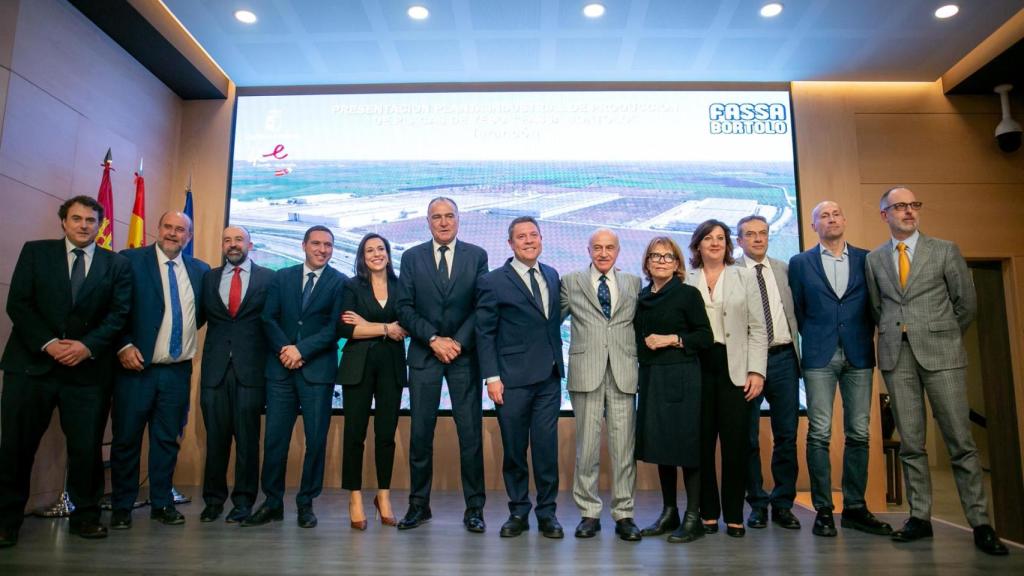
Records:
x=372, y=369
x=671, y=328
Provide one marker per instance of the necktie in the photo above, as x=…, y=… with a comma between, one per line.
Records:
x=177, y=325
x=77, y=273
x=904, y=264
x=764, y=303
x=604, y=297
x=235, y=294
x=307, y=290
x=535, y=287
x=442, y=266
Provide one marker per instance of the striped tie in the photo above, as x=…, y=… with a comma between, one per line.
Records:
x=764, y=303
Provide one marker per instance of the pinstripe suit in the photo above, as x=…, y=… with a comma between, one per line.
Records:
x=920, y=350
x=602, y=381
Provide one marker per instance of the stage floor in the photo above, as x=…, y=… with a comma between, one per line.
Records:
x=444, y=547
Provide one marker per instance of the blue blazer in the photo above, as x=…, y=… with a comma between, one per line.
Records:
x=427, y=309
x=313, y=330
x=148, y=298
x=826, y=320
x=513, y=338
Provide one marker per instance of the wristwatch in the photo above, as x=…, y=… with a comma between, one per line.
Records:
x=432, y=338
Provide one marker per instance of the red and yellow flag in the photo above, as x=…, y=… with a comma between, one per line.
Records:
x=105, y=237
x=137, y=224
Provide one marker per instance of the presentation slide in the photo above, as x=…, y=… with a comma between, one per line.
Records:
x=643, y=163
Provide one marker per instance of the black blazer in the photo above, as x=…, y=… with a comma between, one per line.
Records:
x=311, y=330
x=427, y=309
x=675, y=309
x=39, y=305
x=358, y=297
x=239, y=340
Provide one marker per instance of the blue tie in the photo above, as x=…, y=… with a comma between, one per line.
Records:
x=307, y=290
x=604, y=297
x=176, y=321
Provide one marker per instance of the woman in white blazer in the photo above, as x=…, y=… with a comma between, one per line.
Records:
x=732, y=371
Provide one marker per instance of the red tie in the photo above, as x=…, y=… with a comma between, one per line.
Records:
x=235, y=295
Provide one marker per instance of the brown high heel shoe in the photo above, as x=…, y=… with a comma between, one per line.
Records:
x=356, y=524
x=384, y=520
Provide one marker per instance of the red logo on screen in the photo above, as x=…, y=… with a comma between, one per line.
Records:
x=278, y=153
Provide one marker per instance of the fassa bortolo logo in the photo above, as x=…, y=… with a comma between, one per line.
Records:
x=748, y=118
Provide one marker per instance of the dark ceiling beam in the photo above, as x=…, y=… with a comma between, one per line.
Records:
x=999, y=59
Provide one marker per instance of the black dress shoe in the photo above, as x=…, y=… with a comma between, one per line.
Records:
x=735, y=531
x=784, y=517
x=8, y=537
x=88, y=529
x=913, y=529
x=264, y=515
x=120, y=519
x=211, y=512
x=627, y=530
x=986, y=540
x=306, y=518
x=415, y=517
x=550, y=528
x=758, y=518
x=514, y=526
x=473, y=520
x=588, y=527
x=824, y=523
x=711, y=528
x=168, y=515
x=238, y=514
x=691, y=529
x=863, y=520
x=666, y=522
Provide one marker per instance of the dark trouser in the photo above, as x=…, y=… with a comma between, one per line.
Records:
x=158, y=397
x=284, y=399
x=529, y=419
x=26, y=407
x=782, y=390
x=466, y=391
x=724, y=414
x=381, y=383
x=232, y=411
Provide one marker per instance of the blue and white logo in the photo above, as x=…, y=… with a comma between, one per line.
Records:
x=748, y=118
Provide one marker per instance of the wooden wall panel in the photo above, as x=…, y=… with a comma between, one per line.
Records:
x=5, y=79
x=38, y=147
x=8, y=22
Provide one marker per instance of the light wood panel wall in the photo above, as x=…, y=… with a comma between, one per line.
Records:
x=67, y=93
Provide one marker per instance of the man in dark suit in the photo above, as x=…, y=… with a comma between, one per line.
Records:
x=68, y=301
x=156, y=354
x=439, y=278
x=830, y=297
x=300, y=320
x=519, y=343
x=781, y=381
x=233, y=391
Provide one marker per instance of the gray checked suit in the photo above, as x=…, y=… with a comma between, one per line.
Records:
x=920, y=351
x=602, y=382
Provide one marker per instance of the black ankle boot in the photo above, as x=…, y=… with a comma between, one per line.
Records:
x=691, y=529
x=668, y=521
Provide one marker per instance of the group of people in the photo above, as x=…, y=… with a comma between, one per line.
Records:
x=675, y=370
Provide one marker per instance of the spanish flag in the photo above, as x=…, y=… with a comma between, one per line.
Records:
x=105, y=237
x=137, y=224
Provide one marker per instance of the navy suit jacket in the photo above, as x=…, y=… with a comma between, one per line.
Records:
x=514, y=339
x=313, y=330
x=825, y=320
x=239, y=340
x=40, y=307
x=148, y=298
x=427, y=309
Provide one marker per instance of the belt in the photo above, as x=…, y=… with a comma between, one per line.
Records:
x=779, y=348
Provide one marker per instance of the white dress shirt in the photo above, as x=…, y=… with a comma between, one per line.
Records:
x=162, y=350
x=713, y=304
x=89, y=250
x=449, y=256
x=780, y=326
x=524, y=273
x=613, y=286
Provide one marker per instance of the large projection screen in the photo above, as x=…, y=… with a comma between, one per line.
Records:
x=643, y=163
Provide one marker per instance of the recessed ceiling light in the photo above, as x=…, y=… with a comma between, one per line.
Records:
x=947, y=11
x=771, y=9
x=593, y=10
x=418, y=12
x=245, y=16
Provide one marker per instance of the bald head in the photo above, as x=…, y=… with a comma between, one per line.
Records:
x=235, y=244
x=828, y=220
x=603, y=249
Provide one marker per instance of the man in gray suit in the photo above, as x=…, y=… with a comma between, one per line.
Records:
x=922, y=297
x=781, y=382
x=603, y=381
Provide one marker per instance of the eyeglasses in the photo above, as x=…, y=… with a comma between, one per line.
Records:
x=656, y=257
x=904, y=206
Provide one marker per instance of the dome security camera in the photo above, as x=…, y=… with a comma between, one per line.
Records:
x=1009, y=131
